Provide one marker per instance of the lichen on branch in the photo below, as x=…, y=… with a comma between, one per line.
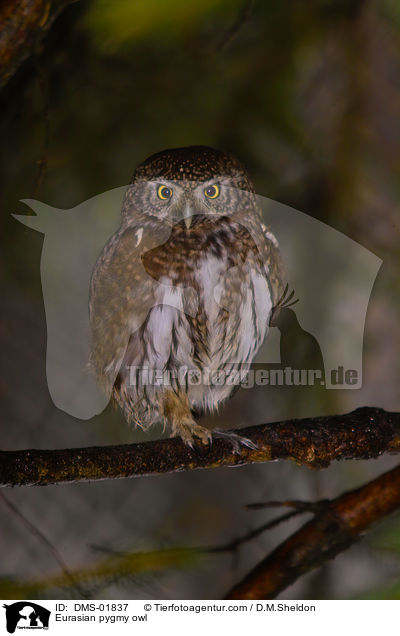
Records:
x=315, y=442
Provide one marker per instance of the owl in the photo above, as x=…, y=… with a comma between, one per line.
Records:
x=182, y=294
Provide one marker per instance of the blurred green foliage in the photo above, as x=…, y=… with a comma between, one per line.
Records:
x=114, y=569
x=116, y=25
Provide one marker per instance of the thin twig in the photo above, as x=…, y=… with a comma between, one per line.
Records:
x=301, y=506
x=42, y=537
x=42, y=78
x=252, y=534
x=242, y=18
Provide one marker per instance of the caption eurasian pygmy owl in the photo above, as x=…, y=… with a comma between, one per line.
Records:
x=182, y=293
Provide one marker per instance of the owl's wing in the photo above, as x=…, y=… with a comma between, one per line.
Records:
x=121, y=295
x=274, y=266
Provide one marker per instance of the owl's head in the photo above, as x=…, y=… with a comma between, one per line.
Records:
x=181, y=184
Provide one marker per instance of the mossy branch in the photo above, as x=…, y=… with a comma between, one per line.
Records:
x=315, y=442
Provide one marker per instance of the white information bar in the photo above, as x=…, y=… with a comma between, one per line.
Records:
x=173, y=618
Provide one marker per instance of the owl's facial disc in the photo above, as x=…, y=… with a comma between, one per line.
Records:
x=199, y=202
x=177, y=201
x=185, y=201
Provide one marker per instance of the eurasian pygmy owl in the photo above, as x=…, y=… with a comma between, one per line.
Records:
x=182, y=293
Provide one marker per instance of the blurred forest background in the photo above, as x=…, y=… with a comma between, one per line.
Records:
x=307, y=96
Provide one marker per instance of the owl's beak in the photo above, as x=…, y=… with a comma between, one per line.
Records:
x=188, y=216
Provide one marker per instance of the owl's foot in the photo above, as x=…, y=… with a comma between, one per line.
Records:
x=236, y=440
x=176, y=411
x=188, y=429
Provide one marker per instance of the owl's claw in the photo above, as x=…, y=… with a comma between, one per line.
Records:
x=236, y=440
x=188, y=429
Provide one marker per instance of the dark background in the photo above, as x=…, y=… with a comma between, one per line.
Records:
x=307, y=96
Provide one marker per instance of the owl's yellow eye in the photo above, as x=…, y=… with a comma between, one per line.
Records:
x=212, y=192
x=164, y=193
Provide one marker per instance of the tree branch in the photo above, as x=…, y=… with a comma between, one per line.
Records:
x=22, y=27
x=362, y=434
x=338, y=524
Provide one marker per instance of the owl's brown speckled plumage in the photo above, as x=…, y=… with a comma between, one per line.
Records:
x=186, y=286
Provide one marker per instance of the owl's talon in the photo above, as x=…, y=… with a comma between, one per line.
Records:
x=245, y=441
x=188, y=429
x=236, y=440
x=204, y=435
